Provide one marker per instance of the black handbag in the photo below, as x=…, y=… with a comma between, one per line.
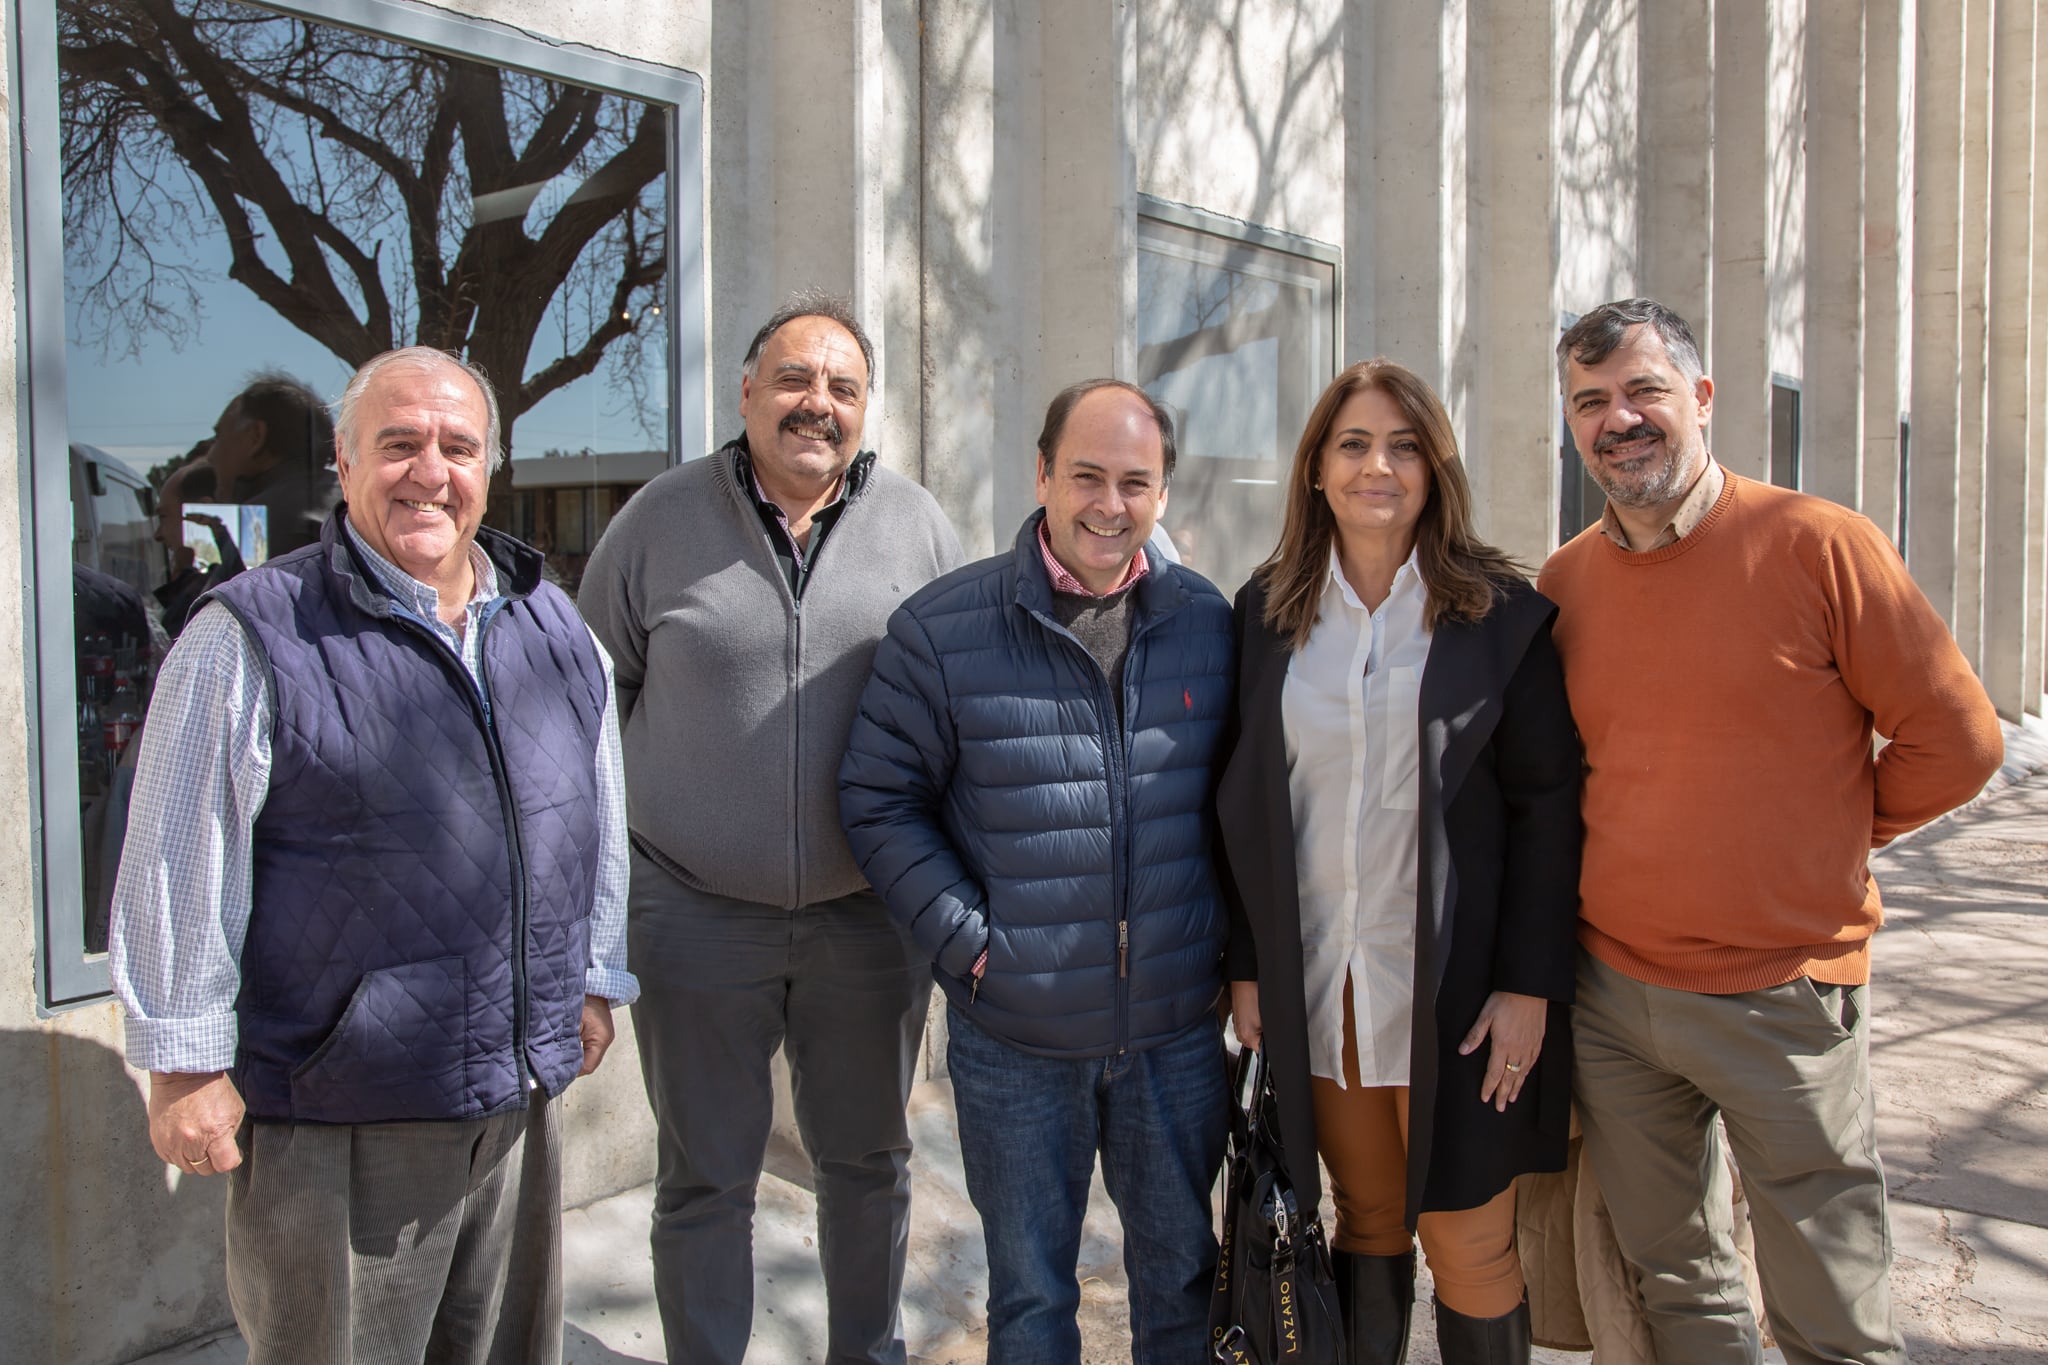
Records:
x=1275, y=1299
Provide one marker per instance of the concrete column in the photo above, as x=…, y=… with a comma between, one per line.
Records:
x=1511, y=273
x=802, y=160
x=1676, y=148
x=1937, y=315
x=1596, y=137
x=1458, y=328
x=1785, y=278
x=1887, y=58
x=964, y=205
x=1740, y=355
x=1028, y=226
x=816, y=79
x=1833, y=356
x=1088, y=211
x=2011, y=498
x=1972, y=289
x=1362, y=175
x=1404, y=182
x=891, y=273
x=2037, y=371
x=739, y=202
x=1080, y=253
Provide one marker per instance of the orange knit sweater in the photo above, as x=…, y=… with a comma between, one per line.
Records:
x=1726, y=689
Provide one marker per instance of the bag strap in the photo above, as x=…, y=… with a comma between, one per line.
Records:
x=1250, y=1075
x=1261, y=1109
x=1226, y=1337
x=1287, y=1335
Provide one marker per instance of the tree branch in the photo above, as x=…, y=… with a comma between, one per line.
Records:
x=619, y=321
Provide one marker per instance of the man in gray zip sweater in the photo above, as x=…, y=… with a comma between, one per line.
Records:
x=741, y=598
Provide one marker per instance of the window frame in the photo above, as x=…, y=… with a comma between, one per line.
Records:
x=1575, y=483
x=1795, y=387
x=1237, y=235
x=1237, y=230
x=1898, y=532
x=66, y=976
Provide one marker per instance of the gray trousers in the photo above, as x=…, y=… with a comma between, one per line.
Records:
x=399, y=1243
x=723, y=984
x=1788, y=1071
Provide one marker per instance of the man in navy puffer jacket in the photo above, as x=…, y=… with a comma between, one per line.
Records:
x=1027, y=786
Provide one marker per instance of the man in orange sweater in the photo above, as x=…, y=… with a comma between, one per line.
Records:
x=1730, y=648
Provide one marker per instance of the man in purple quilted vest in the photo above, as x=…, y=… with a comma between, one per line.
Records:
x=369, y=922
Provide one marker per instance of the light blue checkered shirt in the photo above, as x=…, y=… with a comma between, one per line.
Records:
x=181, y=902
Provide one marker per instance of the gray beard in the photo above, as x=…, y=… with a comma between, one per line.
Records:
x=1649, y=489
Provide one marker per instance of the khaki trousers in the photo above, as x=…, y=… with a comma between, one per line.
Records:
x=1788, y=1071
x=399, y=1243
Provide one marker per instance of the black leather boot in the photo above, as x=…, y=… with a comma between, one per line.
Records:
x=1483, y=1341
x=1377, y=1296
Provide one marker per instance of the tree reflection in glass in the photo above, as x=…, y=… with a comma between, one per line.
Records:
x=1236, y=338
x=255, y=204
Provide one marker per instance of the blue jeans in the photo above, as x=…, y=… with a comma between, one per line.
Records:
x=1030, y=1127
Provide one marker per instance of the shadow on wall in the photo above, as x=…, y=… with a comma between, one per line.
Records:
x=1283, y=116
x=109, y=1254
x=1599, y=180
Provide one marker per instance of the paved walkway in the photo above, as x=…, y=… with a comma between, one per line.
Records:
x=1960, y=1047
x=1960, y=1055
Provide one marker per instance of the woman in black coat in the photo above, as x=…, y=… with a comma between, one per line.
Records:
x=1400, y=824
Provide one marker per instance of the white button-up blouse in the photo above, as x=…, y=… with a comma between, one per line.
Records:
x=1350, y=714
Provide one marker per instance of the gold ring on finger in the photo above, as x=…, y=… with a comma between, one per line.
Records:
x=1514, y=1066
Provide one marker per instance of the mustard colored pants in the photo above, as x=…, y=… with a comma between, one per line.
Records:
x=1362, y=1133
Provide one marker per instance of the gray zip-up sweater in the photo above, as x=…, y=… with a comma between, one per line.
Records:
x=735, y=700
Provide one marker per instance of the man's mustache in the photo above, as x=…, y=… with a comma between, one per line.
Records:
x=1641, y=431
x=823, y=421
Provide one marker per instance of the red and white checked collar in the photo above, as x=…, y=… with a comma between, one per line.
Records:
x=1062, y=581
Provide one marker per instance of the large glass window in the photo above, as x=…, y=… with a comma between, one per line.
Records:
x=252, y=201
x=1905, y=482
x=1580, y=499
x=1237, y=335
x=1785, y=398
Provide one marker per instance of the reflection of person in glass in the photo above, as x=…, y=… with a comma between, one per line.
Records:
x=1404, y=951
x=272, y=446
x=371, y=912
x=191, y=483
x=115, y=654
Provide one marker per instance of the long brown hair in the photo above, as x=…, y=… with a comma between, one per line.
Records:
x=1460, y=571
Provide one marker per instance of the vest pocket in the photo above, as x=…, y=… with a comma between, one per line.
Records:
x=556, y=965
x=398, y=1052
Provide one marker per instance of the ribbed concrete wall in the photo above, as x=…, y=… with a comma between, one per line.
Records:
x=1849, y=193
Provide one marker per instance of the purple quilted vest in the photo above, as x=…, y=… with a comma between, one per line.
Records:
x=425, y=859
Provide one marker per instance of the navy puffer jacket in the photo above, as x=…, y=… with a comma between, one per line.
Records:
x=994, y=802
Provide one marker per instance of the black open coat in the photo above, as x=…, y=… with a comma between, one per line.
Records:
x=1496, y=900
